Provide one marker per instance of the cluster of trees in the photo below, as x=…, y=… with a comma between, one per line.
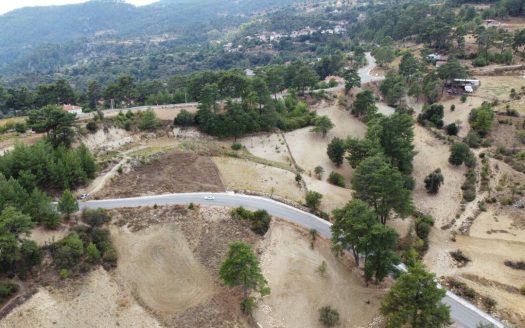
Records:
x=51, y=169
x=239, y=118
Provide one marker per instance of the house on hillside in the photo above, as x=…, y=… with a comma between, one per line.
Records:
x=73, y=109
x=249, y=72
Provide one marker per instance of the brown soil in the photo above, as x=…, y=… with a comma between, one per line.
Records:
x=172, y=173
x=299, y=290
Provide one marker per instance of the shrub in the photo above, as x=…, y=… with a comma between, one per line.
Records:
x=452, y=107
x=93, y=253
x=458, y=153
x=20, y=127
x=95, y=217
x=64, y=273
x=184, y=118
x=92, y=126
x=522, y=290
x=434, y=181
x=236, y=146
x=460, y=258
x=473, y=139
x=313, y=200
x=463, y=98
x=7, y=290
x=337, y=179
x=259, y=220
x=68, y=251
x=328, y=316
x=319, y=170
x=433, y=114
x=120, y=169
x=452, y=129
x=489, y=303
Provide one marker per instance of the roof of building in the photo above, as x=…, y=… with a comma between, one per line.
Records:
x=69, y=107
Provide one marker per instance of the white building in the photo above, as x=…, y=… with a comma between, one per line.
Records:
x=73, y=109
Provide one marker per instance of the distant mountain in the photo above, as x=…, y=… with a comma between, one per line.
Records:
x=29, y=33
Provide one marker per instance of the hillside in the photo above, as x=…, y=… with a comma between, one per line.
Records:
x=44, y=39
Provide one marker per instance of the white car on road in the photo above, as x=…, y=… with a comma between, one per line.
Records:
x=209, y=198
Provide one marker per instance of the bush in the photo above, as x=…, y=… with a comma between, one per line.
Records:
x=149, y=121
x=20, y=127
x=452, y=107
x=95, y=217
x=7, y=290
x=460, y=258
x=473, y=139
x=452, y=129
x=93, y=253
x=434, y=181
x=433, y=114
x=259, y=220
x=64, y=273
x=459, y=153
x=337, y=179
x=68, y=251
x=313, y=200
x=184, y=118
x=329, y=317
x=92, y=126
x=463, y=98
x=236, y=146
x=522, y=290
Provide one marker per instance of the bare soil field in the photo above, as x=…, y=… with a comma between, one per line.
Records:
x=299, y=290
x=269, y=146
x=333, y=197
x=498, y=87
x=95, y=301
x=107, y=139
x=171, y=173
x=461, y=114
x=240, y=174
x=309, y=149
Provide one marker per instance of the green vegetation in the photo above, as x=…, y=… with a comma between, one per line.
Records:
x=259, y=221
x=241, y=268
x=382, y=187
x=7, y=290
x=433, y=181
x=67, y=203
x=415, y=301
x=322, y=124
x=337, y=179
x=432, y=114
x=313, y=200
x=95, y=217
x=481, y=119
x=336, y=151
x=329, y=316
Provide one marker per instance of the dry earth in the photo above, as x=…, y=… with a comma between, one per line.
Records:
x=171, y=173
x=299, y=290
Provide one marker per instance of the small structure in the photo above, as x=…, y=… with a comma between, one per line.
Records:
x=469, y=85
x=249, y=72
x=73, y=109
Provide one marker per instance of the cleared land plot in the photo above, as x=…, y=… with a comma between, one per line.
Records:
x=461, y=114
x=98, y=301
x=171, y=173
x=268, y=146
x=498, y=87
x=298, y=290
x=309, y=149
x=239, y=174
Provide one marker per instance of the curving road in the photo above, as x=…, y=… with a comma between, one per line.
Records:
x=463, y=313
x=364, y=72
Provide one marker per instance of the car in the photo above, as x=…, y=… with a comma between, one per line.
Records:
x=209, y=198
x=83, y=196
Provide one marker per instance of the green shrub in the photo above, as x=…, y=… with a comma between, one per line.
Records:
x=463, y=98
x=7, y=290
x=92, y=126
x=93, y=253
x=64, y=273
x=329, y=316
x=452, y=129
x=337, y=179
x=522, y=290
x=184, y=118
x=95, y=217
x=236, y=146
x=259, y=220
x=68, y=251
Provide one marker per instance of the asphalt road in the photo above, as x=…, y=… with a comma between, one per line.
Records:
x=463, y=313
x=364, y=72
